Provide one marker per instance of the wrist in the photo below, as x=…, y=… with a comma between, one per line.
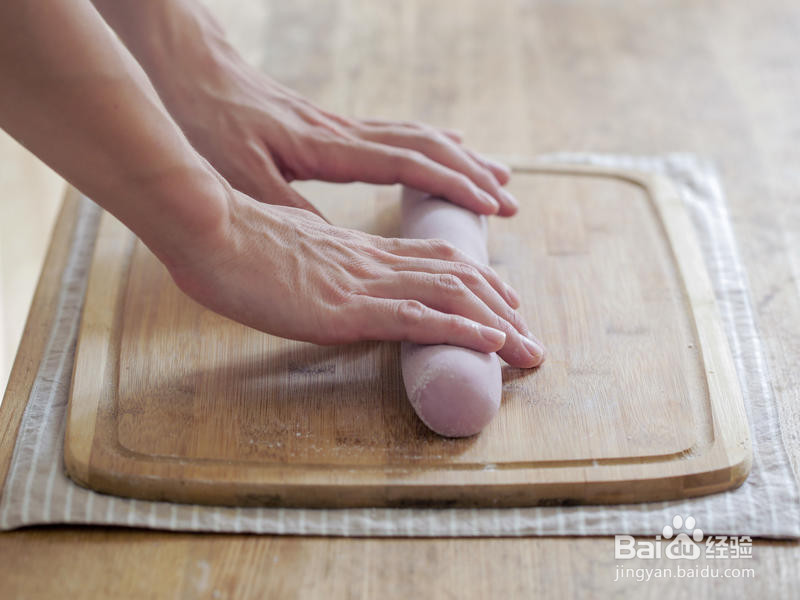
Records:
x=182, y=215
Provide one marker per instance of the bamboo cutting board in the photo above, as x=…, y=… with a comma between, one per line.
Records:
x=638, y=399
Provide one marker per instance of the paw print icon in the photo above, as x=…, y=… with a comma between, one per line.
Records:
x=682, y=546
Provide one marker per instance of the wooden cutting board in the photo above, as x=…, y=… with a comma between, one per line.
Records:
x=638, y=399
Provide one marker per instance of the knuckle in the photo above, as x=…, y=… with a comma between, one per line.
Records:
x=456, y=324
x=427, y=141
x=446, y=283
x=345, y=235
x=321, y=151
x=409, y=312
x=342, y=294
x=327, y=327
x=427, y=131
x=468, y=274
x=500, y=323
x=375, y=249
x=362, y=268
x=516, y=321
x=407, y=161
x=407, y=155
x=442, y=249
x=345, y=321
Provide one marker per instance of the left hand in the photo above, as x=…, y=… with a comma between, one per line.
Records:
x=255, y=132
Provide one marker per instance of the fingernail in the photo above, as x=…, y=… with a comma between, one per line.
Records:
x=510, y=200
x=513, y=296
x=533, y=347
x=495, y=336
x=490, y=202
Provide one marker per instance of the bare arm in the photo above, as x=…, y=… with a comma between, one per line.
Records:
x=259, y=134
x=75, y=96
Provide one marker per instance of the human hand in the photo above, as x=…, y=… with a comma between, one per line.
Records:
x=279, y=269
x=254, y=130
x=287, y=272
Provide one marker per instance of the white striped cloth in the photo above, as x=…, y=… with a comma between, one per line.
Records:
x=37, y=491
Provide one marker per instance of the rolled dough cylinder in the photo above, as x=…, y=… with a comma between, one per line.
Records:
x=455, y=391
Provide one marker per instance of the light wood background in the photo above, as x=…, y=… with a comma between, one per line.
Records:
x=720, y=78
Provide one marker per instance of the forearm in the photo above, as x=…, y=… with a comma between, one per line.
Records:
x=166, y=36
x=259, y=134
x=76, y=98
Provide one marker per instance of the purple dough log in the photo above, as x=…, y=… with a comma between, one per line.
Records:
x=455, y=391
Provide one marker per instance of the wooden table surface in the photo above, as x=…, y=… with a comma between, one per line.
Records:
x=720, y=79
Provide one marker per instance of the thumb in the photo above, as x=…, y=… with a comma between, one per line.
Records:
x=278, y=191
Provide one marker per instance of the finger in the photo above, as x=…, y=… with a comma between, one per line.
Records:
x=343, y=121
x=275, y=190
x=461, y=281
x=257, y=176
x=445, y=151
x=447, y=293
x=453, y=134
x=470, y=277
x=371, y=162
x=412, y=321
x=431, y=255
x=501, y=172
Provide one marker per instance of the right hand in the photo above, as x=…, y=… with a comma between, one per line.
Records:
x=287, y=272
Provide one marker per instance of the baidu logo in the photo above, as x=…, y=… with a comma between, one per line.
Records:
x=672, y=543
x=682, y=546
x=682, y=539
